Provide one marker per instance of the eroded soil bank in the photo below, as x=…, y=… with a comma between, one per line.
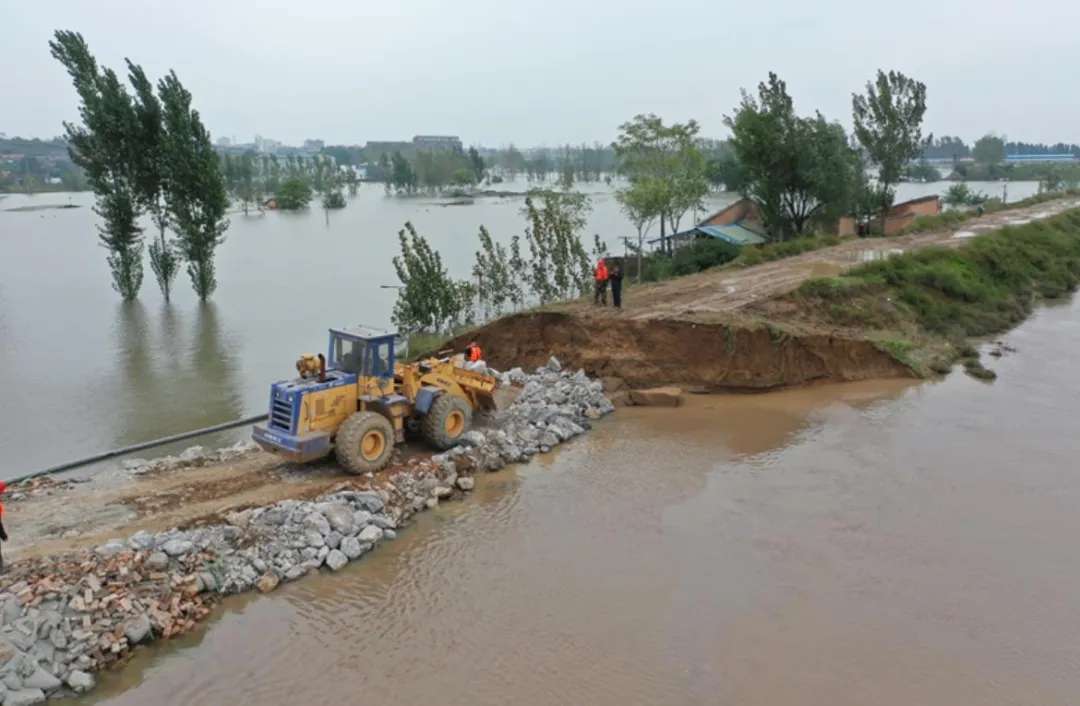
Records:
x=713, y=356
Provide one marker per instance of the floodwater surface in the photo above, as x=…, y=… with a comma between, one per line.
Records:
x=881, y=543
x=83, y=372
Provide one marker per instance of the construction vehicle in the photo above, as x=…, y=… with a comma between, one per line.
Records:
x=358, y=401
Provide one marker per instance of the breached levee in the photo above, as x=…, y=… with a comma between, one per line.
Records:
x=65, y=617
x=713, y=356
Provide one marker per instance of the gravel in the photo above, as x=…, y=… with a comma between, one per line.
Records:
x=63, y=618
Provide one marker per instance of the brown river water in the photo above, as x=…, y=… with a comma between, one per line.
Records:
x=872, y=543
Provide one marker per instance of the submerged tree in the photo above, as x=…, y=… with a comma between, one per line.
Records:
x=888, y=125
x=194, y=186
x=103, y=146
x=148, y=167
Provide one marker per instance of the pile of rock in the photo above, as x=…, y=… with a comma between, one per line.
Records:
x=63, y=618
x=189, y=458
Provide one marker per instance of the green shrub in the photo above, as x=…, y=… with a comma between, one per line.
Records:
x=982, y=287
x=756, y=254
x=696, y=257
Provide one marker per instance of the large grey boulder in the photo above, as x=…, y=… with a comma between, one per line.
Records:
x=369, y=501
x=371, y=533
x=110, y=548
x=137, y=629
x=41, y=679
x=353, y=548
x=336, y=559
x=24, y=697
x=157, y=561
x=80, y=682
x=177, y=547
x=316, y=521
x=340, y=518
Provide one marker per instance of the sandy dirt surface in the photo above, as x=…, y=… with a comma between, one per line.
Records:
x=721, y=292
x=62, y=514
x=117, y=504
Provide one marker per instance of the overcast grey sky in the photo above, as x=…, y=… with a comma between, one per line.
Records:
x=538, y=72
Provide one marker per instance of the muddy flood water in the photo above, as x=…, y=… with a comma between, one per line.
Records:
x=878, y=543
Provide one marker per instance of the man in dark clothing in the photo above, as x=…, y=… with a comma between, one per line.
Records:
x=615, y=280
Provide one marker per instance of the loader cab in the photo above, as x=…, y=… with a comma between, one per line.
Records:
x=364, y=352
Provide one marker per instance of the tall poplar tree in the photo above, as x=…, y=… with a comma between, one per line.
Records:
x=194, y=186
x=103, y=145
x=148, y=171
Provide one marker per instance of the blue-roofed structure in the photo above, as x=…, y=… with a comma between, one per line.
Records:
x=737, y=234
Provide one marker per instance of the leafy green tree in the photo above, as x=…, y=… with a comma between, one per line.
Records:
x=293, y=194
x=796, y=169
x=667, y=161
x=642, y=206
x=959, y=195
x=517, y=274
x=559, y=266
x=493, y=275
x=194, y=186
x=102, y=145
x=402, y=176
x=922, y=171
x=478, y=166
x=888, y=125
x=989, y=150
x=429, y=301
x=148, y=168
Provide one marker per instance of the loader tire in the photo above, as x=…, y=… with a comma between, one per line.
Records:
x=447, y=421
x=364, y=443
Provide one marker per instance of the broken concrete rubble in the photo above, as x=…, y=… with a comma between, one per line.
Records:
x=64, y=617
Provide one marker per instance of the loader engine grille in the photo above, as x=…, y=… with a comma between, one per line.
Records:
x=281, y=413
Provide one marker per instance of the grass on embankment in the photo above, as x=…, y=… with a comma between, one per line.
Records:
x=954, y=217
x=922, y=305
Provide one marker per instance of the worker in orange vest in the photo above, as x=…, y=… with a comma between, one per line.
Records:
x=473, y=353
x=601, y=274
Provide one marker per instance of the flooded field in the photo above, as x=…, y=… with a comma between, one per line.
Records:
x=884, y=543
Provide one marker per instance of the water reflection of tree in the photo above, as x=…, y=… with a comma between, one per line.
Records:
x=181, y=378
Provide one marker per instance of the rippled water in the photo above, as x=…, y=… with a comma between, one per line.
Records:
x=83, y=372
x=874, y=543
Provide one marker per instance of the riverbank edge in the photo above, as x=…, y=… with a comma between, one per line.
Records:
x=857, y=325
x=67, y=616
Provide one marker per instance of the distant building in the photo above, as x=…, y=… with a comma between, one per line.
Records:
x=314, y=145
x=900, y=216
x=1033, y=158
x=432, y=143
x=373, y=150
x=738, y=224
x=224, y=142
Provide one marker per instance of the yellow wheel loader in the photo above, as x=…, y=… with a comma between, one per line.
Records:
x=359, y=402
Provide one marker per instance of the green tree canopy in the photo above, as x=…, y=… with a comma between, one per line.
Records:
x=105, y=144
x=795, y=169
x=888, y=125
x=293, y=194
x=666, y=160
x=194, y=186
x=989, y=150
x=429, y=300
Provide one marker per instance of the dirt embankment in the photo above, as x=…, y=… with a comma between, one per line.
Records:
x=728, y=328
x=715, y=356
